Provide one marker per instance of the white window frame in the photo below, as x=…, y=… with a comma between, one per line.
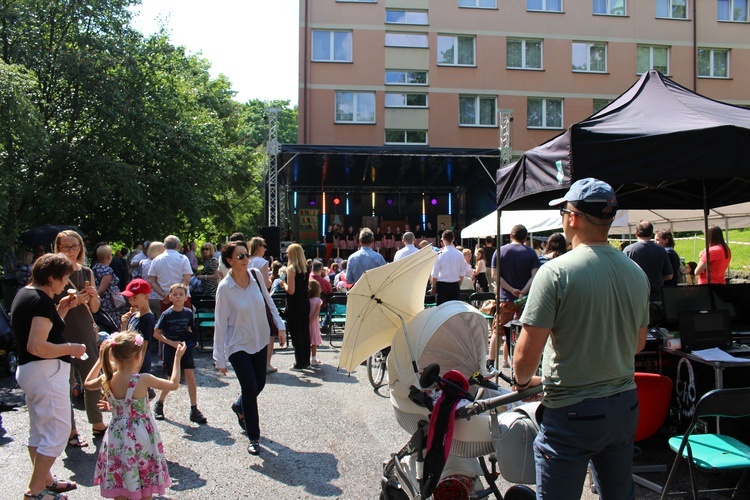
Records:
x=406, y=137
x=713, y=52
x=731, y=11
x=406, y=74
x=544, y=124
x=331, y=42
x=546, y=7
x=525, y=41
x=405, y=99
x=410, y=17
x=455, y=62
x=589, y=46
x=478, y=110
x=408, y=40
x=650, y=57
x=355, y=107
x=671, y=5
x=474, y=4
x=610, y=6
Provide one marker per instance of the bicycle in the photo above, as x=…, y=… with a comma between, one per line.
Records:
x=377, y=368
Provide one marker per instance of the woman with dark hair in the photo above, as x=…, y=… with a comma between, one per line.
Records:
x=298, y=305
x=556, y=246
x=80, y=328
x=241, y=334
x=719, y=257
x=664, y=238
x=107, y=283
x=44, y=368
x=480, y=272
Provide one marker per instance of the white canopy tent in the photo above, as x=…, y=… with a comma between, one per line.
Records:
x=534, y=220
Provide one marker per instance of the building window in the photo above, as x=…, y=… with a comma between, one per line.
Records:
x=713, y=63
x=544, y=5
x=672, y=9
x=477, y=111
x=332, y=46
x=610, y=7
x=524, y=54
x=413, y=40
x=405, y=77
x=652, y=58
x=355, y=107
x=395, y=16
x=544, y=113
x=478, y=4
x=590, y=57
x=405, y=100
x=406, y=137
x=455, y=50
x=600, y=104
x=733, y=10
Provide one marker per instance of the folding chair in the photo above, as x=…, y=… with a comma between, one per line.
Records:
x=204, y=319
x=337, y=310
x=430, y=300
x=713, y=452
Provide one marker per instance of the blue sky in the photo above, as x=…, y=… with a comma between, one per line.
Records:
x=253, y=42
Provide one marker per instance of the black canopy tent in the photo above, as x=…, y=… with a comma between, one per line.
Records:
x=659, y=145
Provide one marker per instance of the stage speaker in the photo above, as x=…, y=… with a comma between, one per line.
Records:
x=272, y=235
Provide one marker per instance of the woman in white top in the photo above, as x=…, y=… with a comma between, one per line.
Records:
x=258, y=261
x=241, y=334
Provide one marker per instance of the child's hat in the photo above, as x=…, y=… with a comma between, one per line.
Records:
x=137, y=286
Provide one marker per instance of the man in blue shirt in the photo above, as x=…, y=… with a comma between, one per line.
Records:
x=363, y=259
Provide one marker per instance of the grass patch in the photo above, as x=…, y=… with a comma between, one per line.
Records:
x=688, y=246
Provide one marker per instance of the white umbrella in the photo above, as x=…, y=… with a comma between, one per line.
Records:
x=381, y=302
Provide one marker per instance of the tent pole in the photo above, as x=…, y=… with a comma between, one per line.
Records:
x=705, y=233
x=496, y=323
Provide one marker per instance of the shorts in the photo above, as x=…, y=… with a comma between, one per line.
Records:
x=507, y=311
x=186, y=363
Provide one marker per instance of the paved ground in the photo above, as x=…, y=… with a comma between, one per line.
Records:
x=325, y=435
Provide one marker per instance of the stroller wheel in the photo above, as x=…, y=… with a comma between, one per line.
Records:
x=376, y=368
x=519, y=492
x=11, y=363
x=394, y=493
x=454, y=488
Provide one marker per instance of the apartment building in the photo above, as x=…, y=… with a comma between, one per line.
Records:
x=443, y=73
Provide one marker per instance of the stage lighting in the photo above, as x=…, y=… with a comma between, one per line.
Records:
x=433, y=201
x=389, y=200
x=312, y=200
x=336, y=200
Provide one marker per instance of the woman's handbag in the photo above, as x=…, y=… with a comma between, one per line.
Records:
x=269, y=314
x=118, y=300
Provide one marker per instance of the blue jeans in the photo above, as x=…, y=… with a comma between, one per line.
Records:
x=251, y=373
x=598, y=430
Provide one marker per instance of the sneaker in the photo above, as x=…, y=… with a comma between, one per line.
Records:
x=271, y=369
x=196, y=416
x=295, y=368
x=254, y=448
x=316, y=361
x=151, y=394
x=492, y=370
x=159, y=410
x=506, y=364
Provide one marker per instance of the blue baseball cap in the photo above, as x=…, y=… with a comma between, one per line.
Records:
x=590, y=196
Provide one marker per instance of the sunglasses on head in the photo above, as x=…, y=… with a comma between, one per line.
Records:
x=242, y=256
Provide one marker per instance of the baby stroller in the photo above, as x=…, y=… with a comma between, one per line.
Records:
x=8, y=354
x=451, y=340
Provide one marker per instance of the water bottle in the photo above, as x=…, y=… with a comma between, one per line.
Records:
x=520, y=301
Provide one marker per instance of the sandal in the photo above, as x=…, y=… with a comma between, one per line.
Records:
x=46, y=493
x=75, y=441
x=61, y=486
x=98, y=432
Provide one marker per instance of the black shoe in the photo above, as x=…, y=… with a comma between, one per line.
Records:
x=151, y=394
x=237, y=409
x=254, y=448
x=159, y=410
x=196, y=416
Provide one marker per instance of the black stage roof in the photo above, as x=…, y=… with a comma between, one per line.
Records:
x=393, y=169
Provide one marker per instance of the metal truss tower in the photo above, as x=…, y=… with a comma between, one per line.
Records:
x=273, y=166
x=506, y=151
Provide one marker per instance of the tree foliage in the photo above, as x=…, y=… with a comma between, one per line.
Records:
x=125, y=136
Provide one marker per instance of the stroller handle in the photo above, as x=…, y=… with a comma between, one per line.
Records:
x=481, y=406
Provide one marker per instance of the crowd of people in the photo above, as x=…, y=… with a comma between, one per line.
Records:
x=59, y=342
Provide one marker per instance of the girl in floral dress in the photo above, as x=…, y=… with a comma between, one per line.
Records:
x=131, y=462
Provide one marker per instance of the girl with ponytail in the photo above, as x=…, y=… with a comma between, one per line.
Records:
x=132, y=432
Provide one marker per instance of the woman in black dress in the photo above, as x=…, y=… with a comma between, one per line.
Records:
x=298, y=305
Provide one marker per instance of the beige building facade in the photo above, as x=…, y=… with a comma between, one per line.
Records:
x=442, y=73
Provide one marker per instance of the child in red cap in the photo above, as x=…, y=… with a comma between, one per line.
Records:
x=141, y=319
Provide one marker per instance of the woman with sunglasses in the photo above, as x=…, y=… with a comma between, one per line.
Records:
x=259, y=262
x=241, y=334
x=210, y=274
x=298, y=305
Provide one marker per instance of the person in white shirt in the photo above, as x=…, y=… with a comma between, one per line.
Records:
x=169, y=268
x=448, y=270
x=409, y=247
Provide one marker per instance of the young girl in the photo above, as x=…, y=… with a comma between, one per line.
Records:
x=313, y=290
x=131, y=462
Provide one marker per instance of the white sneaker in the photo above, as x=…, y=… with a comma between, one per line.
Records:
x=316, y=362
